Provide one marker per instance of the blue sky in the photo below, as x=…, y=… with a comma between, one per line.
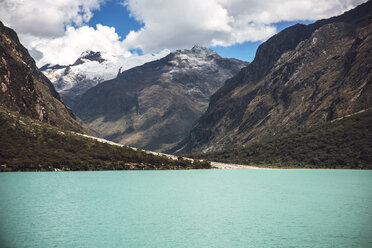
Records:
x=247, y=50
x=114, y=14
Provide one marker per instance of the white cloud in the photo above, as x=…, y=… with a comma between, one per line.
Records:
x=175, y=24
x=45, y=26
x=67, y=48
x=46, y=18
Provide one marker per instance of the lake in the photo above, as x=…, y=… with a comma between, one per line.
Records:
x=195, y=208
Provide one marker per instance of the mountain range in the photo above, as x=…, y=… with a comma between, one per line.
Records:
x=304, y=101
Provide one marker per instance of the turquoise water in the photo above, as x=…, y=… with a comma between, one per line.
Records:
x=196, y=208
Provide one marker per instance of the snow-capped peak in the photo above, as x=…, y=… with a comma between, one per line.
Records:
x=87, y=53
x=197, y=51
x=92, y=68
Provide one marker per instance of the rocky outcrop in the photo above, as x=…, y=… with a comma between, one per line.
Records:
x=302, y=76
x=154, y=105
x=24, y=89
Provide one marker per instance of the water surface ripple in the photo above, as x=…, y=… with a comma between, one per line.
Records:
x=195, y=208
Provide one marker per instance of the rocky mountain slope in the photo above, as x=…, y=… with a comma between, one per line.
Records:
x=304, y=75
x=90, y=69
x=154, y=105
x=25, y=90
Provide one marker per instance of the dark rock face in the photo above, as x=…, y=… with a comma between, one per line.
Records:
x=89, y=55
x=154, y=105
x=52, y=67
x=24, y=89
x=302, y=76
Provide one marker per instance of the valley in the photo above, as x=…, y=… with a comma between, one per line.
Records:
x=303, y=102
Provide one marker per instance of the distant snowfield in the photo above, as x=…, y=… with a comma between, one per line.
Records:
x=109, y=68
x=67, y=77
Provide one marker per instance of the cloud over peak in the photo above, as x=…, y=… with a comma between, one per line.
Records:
x=56, y=31
x=65, y=49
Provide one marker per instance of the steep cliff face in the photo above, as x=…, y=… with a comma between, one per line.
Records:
x=24, y=89
x=90, y=69
x=154, y=105
x=302, y=76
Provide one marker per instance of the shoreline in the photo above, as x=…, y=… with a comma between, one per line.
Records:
x=224, y=166
x=214, y=165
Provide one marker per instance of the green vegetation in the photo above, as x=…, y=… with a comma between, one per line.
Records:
x=345, y=143
x=29, y=145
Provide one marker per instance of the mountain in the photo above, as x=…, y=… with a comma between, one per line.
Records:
x=39, y=133
x=302, y=76
x=90, y=69
x=154, y=105
x=25, y=90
